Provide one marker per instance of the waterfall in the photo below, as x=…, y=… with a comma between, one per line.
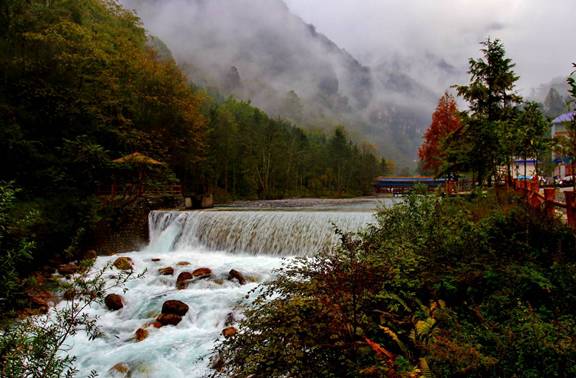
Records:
x=253, y=242
x=276, y=233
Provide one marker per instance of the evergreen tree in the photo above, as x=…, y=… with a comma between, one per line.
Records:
x=491, y=98
x=532, y=130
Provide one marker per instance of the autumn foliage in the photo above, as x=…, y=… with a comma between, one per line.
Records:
x=445, y=120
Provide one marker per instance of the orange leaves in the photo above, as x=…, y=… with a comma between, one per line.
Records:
x=445, y=120
x=380, y=351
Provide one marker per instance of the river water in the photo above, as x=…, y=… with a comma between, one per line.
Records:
x=252, y=239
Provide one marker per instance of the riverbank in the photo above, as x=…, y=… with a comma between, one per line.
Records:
x=478, y=286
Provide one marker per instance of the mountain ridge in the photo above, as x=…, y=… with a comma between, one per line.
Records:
x=258, y=50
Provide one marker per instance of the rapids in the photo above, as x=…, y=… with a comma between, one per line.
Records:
x=252, y=242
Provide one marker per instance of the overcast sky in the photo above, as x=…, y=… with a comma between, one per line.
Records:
x=539, y=35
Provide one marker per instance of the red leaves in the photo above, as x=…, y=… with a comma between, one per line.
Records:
x=380, y=351
x=445, y=120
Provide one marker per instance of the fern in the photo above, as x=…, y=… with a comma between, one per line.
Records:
x=426, y=372
x=397, y=340
x=424, y=327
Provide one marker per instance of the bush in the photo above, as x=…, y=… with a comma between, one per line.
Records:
x=15, y=250
x=450, y=287
x=36, y=346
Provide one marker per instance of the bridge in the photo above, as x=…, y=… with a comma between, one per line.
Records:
x=401, y=185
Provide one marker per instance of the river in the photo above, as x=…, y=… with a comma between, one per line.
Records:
x=252, y=238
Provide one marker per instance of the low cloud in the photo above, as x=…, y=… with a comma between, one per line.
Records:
x=538, y=34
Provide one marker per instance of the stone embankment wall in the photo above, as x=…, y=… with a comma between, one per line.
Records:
x=125, y=229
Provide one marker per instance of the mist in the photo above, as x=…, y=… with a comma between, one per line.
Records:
x=376, y=66
x=538, y=34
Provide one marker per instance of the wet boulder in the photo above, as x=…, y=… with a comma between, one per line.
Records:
x=155, y=259
x=183, y=263
x=175, y=307
x=202, y=273
x=182, y=280
x=229, y=332
x=68, y=269
x=167, y=271
x=236, y=275
x=154, y=324
x=121, y=369
x=114, y=302
x=169, y=319
x=124, y=263
x=40, y=300
x=90, y=255
x=141, y=334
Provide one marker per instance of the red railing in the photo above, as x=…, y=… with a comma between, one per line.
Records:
x=547, y=201
x=458, y=186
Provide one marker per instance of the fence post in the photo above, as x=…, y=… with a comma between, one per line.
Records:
x=549, y=198
x=571, y=208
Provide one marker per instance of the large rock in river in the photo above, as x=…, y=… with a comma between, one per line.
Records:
x=121, y=369
x=141, y=334
x=169, y=319
x=229, y=332
x=234, y=274
x=124, y=263
x=114, y=302
x=175, y=307
x=182, y=280
x=90, y=255
x=202, y=273
x=168, y=271
x=67, y=269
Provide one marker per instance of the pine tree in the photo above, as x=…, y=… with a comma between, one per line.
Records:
x=532, y=128
x=491, y=99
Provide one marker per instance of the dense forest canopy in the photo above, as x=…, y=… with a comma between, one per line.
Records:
x=83, y=84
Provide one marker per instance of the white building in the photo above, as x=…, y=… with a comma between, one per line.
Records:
x=563, y=167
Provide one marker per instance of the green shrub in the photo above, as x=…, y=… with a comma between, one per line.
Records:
x=15, y=249
x=36, y=346
x=449, y=287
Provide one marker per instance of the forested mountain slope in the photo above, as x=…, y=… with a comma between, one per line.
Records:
x=258, y=50
x=82, y=84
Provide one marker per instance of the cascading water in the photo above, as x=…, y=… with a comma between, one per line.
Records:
x=276, y=233
x=252, y=242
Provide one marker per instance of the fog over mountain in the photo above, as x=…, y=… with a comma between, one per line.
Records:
x=538, y=34
x=260, y=50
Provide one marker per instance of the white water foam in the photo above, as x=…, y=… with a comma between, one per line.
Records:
x=278, y=233
x=251, y=242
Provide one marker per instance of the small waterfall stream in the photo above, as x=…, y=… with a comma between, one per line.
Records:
x=252, y=242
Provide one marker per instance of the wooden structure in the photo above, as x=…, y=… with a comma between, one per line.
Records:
x=140, y=167
x=401, y=185
x=530, y=189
